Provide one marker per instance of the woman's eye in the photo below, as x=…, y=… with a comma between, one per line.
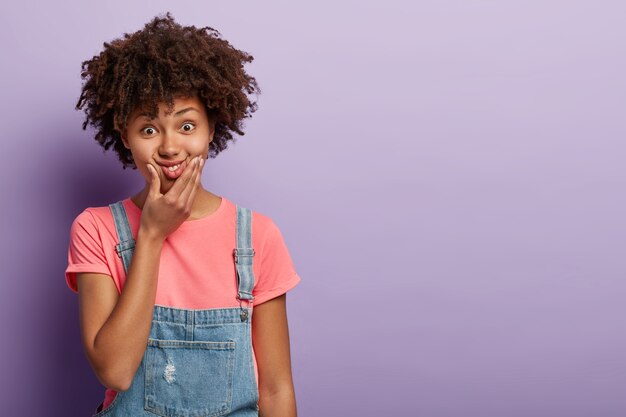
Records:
x=148, y=130
x=188, y=127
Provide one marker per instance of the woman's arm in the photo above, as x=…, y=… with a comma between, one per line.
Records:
x=270, y=338
x=115, y=328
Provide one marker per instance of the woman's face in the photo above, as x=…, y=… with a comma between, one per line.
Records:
x=169, y=142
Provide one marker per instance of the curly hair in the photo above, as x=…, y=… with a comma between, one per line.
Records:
x=154, y=65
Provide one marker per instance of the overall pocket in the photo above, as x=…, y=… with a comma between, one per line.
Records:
x=186, y=378
x=110, y=407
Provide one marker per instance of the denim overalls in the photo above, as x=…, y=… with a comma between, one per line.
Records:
x=197, y=363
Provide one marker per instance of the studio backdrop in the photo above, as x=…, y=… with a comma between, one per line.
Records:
x=448, y=176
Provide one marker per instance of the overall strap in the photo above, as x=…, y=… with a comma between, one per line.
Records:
x=244, y=254
x=126, y=243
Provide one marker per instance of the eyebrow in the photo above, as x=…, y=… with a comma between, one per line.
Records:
x=178, y=113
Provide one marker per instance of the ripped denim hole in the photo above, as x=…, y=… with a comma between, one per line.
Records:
x=170, y=369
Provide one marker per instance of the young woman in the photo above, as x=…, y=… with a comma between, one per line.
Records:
x=167, y=278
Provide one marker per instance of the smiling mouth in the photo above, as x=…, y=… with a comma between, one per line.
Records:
x=175, y=171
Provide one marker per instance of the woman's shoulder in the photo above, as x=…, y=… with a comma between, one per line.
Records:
x=91, y=213
x=101, y=218
x=261, y=220
x=263, y=224
x=95, y=219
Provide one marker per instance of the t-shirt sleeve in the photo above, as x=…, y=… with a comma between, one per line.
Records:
x=85, y=252
x=277, y=273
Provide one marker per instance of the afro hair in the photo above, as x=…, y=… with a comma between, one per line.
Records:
x=155, y=65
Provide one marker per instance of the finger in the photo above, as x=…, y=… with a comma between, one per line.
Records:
x=201, y=169
x=155, y=182
x=196, y=183
x=181, y=182
x=191, y=184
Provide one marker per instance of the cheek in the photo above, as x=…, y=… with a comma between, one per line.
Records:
x=200, y=147
x=142, y=154
x=141, y=161
x=143, y=171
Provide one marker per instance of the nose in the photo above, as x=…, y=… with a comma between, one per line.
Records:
x=169, y=145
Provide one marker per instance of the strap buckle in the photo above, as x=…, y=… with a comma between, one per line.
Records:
x=237, y=252
x=244, y=312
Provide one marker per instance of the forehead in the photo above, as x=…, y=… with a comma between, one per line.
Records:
x=182, y=105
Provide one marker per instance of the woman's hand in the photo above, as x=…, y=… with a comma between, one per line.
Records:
x=163, y=213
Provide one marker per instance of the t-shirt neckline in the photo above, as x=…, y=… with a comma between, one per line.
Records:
x=187, y=224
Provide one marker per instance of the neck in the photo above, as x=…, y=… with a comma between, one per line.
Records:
x=204, y=202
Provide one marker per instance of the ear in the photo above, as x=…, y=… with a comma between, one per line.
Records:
x=122, y=135
x=124, y=140
x=211, y=130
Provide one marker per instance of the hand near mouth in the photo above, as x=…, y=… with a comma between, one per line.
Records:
x=163, y=213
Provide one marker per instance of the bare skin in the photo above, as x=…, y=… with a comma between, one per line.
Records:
x=270, y=338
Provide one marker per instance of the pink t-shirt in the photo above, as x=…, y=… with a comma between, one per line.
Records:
x=196, y=270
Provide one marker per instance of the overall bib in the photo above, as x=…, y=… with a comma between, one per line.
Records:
x=197, y=363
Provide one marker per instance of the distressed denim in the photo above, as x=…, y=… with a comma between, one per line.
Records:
x=197, y=363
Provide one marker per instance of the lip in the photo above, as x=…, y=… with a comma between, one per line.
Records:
x=172, y=175
x=170, y=163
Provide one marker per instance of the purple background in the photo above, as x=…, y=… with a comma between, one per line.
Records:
x=448, y=176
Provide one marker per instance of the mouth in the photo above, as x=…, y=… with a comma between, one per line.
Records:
x=173, y=170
